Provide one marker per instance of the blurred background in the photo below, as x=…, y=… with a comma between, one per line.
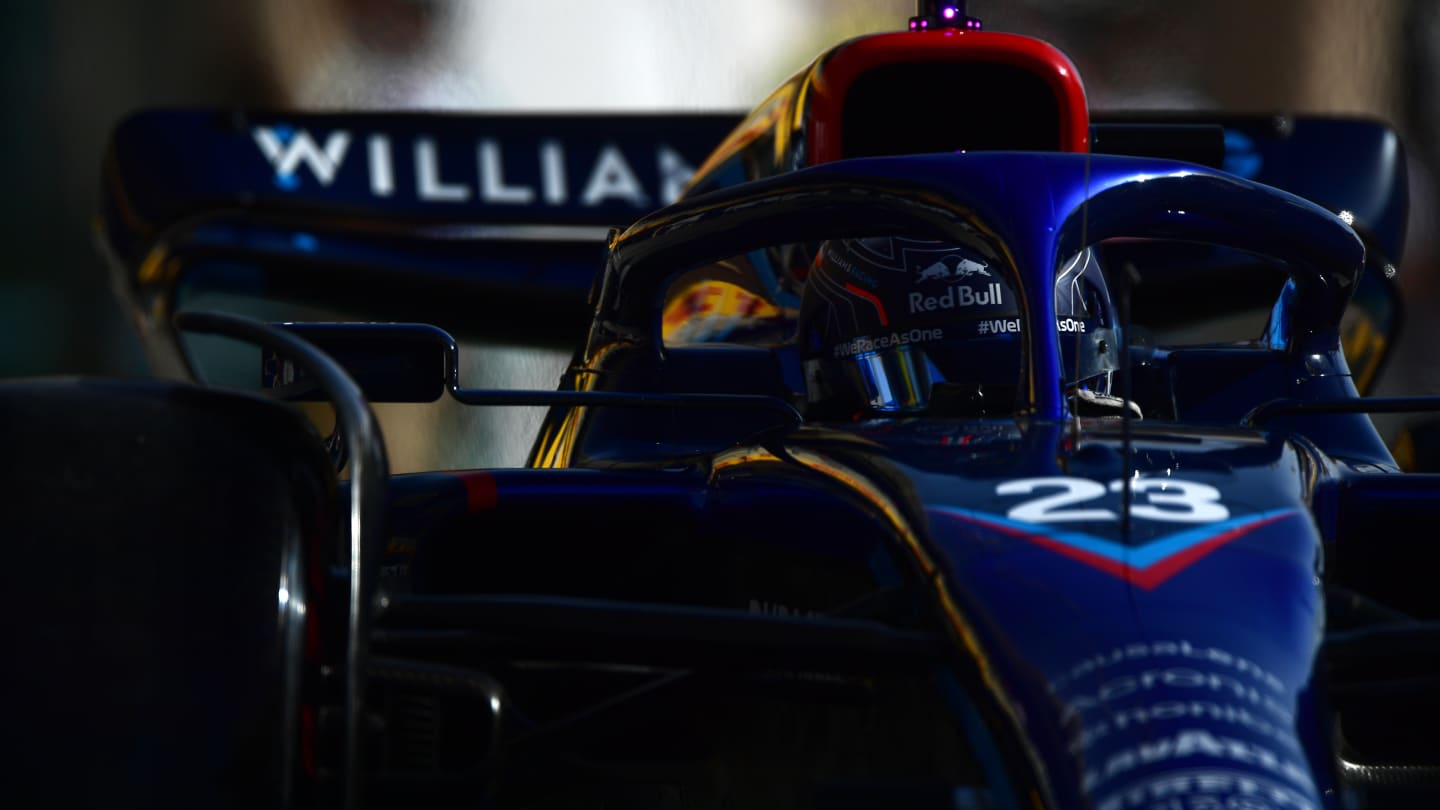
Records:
x=75, y=67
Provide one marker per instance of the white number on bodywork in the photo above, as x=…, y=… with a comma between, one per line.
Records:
x=1166, y=499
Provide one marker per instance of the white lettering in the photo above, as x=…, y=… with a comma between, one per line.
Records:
x=1191, y=743
x=1200, y=741
x=863, y=345
x=955, y=297
x=1123, y=686
x=675, y=174
x=1209, y=789
x=492, y=179
x=286, y=149
x=778, y=609
x=292, y=151
x=612, y=177
x=1051, y=508
x=428, y=185
x=997, y=326
x=382, y=173
x=1185, y=501
x=552, y=172
x=1122, y=720
x=1193, y=502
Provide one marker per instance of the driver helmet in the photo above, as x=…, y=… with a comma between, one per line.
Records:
x=897, y=325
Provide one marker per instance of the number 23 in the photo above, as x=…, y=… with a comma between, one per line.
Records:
x=1169, y=499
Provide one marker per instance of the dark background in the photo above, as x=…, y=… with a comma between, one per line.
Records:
x=72, y=68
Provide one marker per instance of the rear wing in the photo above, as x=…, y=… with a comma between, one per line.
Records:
x=413, y=168
x=502, y=219
x=495, y=225
x=1354, y=165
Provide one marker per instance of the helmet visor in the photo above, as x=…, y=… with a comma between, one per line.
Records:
x=895, y=380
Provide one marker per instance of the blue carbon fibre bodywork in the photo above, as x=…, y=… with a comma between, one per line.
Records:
x=1099, y=662
x=1167, y=657
x=1131, y=559
x=1125, y=687
x=1035, y=207
x=710, y=588
x=1044, y=207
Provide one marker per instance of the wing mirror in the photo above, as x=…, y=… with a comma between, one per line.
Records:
x=391, y=362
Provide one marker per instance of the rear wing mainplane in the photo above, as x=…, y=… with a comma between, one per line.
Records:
x=495, y=225
x=500, y=218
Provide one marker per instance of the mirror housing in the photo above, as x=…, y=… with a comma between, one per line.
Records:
x=391, y=362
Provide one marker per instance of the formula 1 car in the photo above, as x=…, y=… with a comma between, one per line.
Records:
x=912, y=458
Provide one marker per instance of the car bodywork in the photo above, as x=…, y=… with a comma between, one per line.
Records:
x=693, y=596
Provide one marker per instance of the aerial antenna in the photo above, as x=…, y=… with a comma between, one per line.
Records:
x=934, y=14
x=1130, y=277
x=1080, y=344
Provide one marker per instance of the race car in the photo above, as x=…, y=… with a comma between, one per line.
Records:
x=900, y=463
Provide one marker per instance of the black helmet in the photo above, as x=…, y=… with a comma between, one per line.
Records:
x=896, y=325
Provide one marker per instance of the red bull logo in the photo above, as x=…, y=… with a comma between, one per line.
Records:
x=958, y=297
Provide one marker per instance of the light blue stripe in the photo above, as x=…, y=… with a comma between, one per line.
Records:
x=1078, y=540
x=1151, y=553
x=1140, y=558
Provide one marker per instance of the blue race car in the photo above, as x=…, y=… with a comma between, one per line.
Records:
x=908, y=460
